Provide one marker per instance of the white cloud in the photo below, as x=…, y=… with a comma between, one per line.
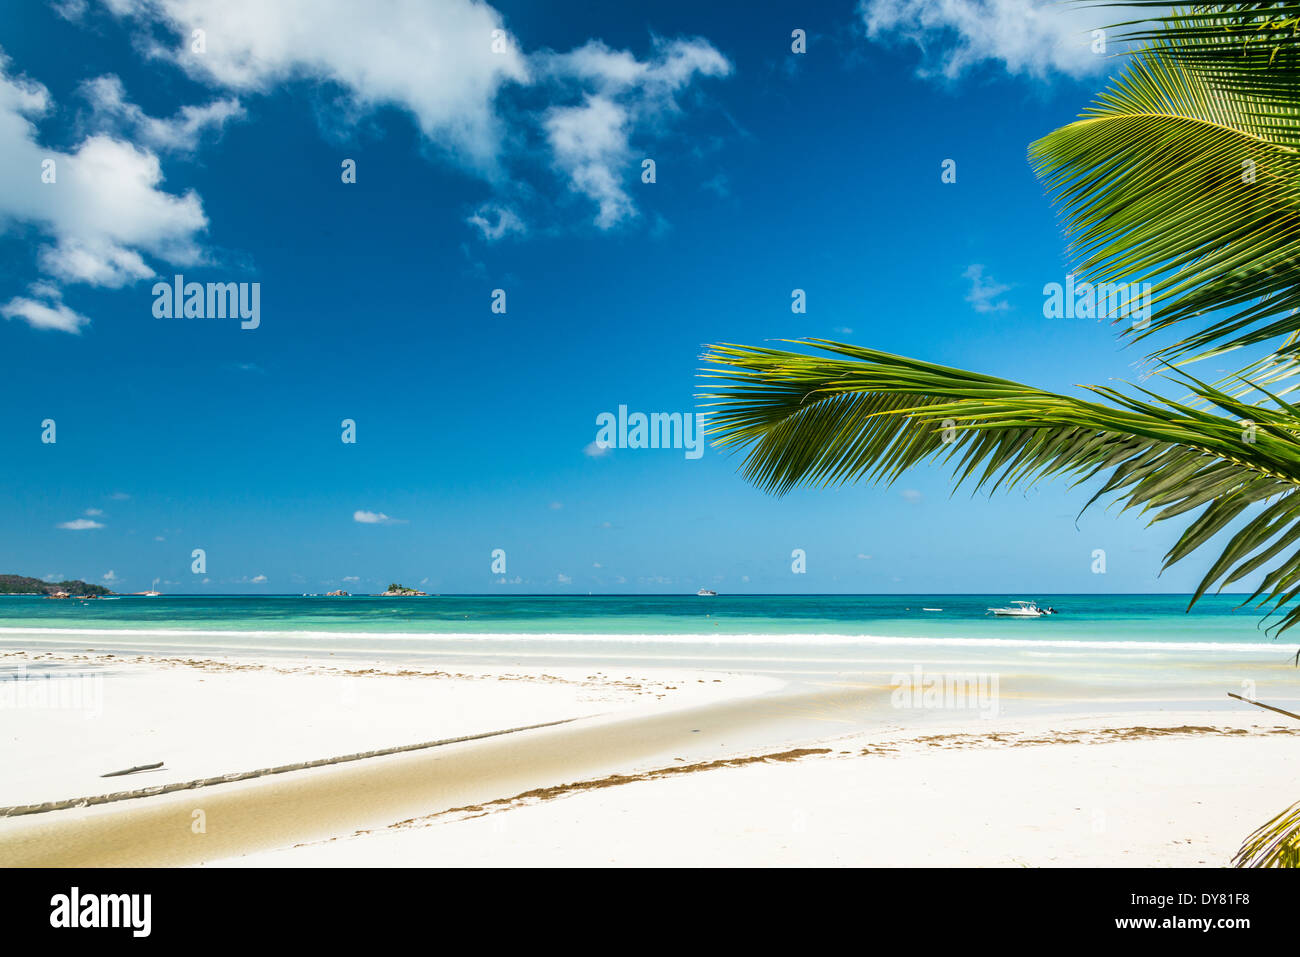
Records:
x=94, y=511
x=103, y=212
x=94, y=260
x=911, y=496
x=80, y=524
x=718, y=184
x=351, y=578
x=595, y=450
x=497, y=221
x=258, y=579
x=104, y=205
x=563, y=579
x=595, y=62
x=181, y=133
x=375, y=518
x=70, y=9
x=1035, y=38
x=110, y=576
x=865, y=558
x=106, y=220
x=590, y=141
x=432, y=59
x=440, y=66
x=985, y=290
x=672, y=66
x=51, y=314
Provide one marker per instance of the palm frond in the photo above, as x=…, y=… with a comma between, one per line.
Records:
x=1182, y=179
x=869, y=416
x=1248, y=49
x=1275, y=844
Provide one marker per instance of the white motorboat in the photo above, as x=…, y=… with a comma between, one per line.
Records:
x=1022, y=609
x=706, y=593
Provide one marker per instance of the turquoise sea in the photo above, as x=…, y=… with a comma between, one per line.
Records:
x=1137, y=619
x=1137, y=649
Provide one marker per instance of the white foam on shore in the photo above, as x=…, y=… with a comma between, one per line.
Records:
x=830, y=640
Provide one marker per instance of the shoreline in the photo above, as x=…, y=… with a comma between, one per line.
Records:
x=747, y=639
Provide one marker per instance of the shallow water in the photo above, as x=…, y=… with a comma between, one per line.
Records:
x=1123, y=649
x=1140, y=618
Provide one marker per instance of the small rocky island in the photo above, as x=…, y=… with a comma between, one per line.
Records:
x=403, y=591
x=22, y=585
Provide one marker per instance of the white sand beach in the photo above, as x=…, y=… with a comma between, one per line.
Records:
x=1175, y=790
x=271, y=762
x=203, y=717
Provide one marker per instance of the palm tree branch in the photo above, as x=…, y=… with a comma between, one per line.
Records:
x=1174, y=179
x=816, y=420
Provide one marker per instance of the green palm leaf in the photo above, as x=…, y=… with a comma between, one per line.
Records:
x=1251, y=49
x=1275, y=844
x=1184, y=178
x=865, y=415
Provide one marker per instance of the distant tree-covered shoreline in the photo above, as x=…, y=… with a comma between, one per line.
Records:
x=22, y=585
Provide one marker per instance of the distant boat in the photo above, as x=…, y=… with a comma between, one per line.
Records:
x=1023, y=609
x=706, y=593
x=931, y=609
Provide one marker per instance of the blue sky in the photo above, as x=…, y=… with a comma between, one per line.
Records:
x=520, y=170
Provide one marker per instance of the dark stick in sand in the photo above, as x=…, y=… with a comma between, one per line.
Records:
x=140, y=767
x=1260, y=704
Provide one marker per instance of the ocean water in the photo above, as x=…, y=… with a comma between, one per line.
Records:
x=1141, y=620
x=1137, y=651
